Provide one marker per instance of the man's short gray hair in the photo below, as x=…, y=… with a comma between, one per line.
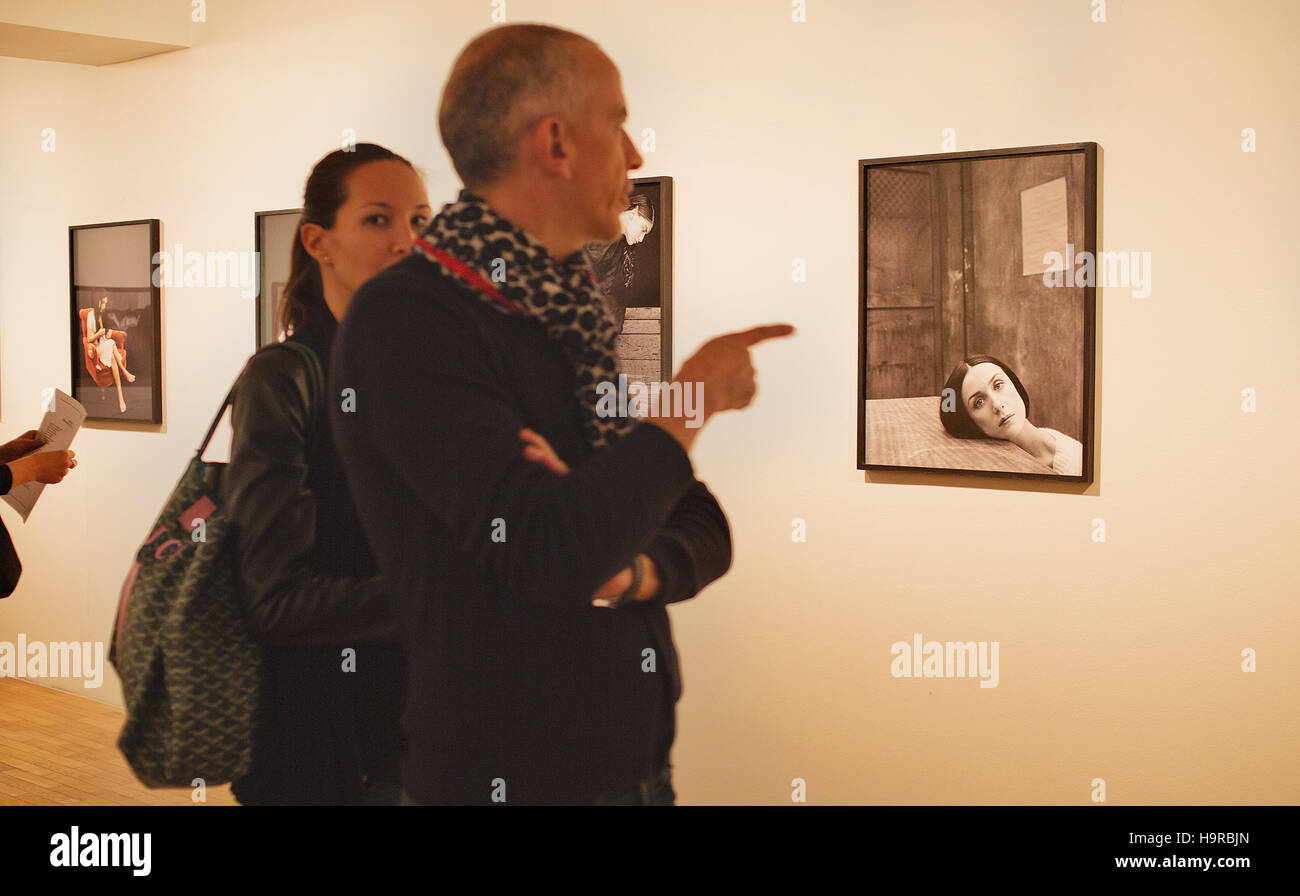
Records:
x=502, y=83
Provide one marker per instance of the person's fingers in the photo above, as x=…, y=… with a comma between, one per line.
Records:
x=547, y=457
x=536, y=439
x=743, y=394
x=756, y=335
x=555, y=466
x=539, y=450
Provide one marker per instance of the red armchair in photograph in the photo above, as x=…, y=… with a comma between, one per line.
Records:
x=103, y=376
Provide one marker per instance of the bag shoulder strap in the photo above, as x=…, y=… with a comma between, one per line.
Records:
x=315, y=385
x=315, y=374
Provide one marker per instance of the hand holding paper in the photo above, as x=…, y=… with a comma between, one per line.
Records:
x=21, y=446
x=48, y=459
x=47, y=467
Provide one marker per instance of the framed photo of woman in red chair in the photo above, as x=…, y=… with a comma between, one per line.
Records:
x=116, y=319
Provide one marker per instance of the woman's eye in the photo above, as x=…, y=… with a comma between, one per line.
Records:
x=420, y=221
x=378, y=220
x=997, y=385
x=978, y=403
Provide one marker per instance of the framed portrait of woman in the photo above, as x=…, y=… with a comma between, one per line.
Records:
x=116, y=320
x=977, y=312
x=634, y=276
x=273, y=241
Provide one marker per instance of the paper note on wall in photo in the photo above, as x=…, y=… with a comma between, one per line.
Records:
x=1043, y=227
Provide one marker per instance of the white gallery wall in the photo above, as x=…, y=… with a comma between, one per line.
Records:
x=1119, y=660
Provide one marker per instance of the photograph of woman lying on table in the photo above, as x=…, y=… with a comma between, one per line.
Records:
x=976, y=335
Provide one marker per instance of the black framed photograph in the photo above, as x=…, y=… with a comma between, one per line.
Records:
x=634, y=276
x=977, y=312
x=273, y=241
x=116, y=322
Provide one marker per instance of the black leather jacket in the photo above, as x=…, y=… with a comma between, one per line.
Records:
x=292, y=552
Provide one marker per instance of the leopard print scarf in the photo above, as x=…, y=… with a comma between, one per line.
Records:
x=514, y=274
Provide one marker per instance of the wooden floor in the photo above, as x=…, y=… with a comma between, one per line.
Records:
x=57, y=749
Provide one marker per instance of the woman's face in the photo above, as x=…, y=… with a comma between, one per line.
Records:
x=103, y=304
x=385, y=210
x=993, y=401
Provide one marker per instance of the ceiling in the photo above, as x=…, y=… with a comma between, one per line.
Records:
x=93, y=32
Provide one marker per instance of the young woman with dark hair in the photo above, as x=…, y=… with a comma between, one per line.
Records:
x=333, y=677
x=984, y=399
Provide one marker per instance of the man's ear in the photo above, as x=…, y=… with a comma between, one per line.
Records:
x=551, y=143
x=313, y=239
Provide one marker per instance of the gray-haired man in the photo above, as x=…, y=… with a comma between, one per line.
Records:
x=532, y=595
